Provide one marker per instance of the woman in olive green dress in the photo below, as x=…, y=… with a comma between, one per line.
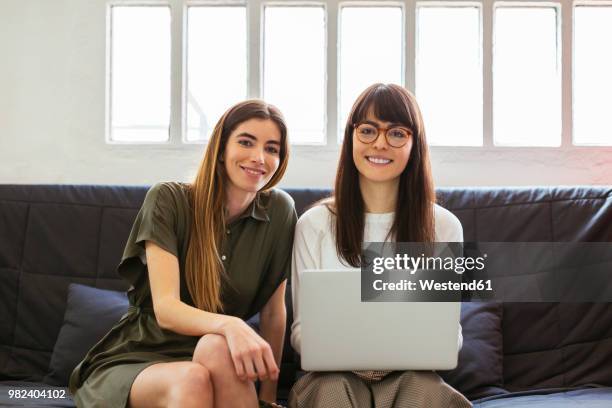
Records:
x=201, y=259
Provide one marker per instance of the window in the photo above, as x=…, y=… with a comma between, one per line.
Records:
x=216, y=66
x=294, y=69
x=526, y=77
x=592, y=81
x=449, y=74
x=140, y=74
x=371, y=50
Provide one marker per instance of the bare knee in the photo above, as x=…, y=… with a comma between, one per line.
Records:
x=213, y=353
x=174, y=384
x=190, y=387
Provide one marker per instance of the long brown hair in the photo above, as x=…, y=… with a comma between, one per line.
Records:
x=414, y=211
x=204, y=268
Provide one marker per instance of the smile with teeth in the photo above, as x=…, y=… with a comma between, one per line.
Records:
x=254, y=172
x=378, y=160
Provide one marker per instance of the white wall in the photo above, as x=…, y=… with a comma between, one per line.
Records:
x=52, y=92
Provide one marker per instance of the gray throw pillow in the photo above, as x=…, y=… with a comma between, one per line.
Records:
x=90, y=314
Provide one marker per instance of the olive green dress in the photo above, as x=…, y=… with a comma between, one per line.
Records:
x=256, y=254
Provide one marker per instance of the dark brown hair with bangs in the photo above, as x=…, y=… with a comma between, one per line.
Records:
x=414, y=211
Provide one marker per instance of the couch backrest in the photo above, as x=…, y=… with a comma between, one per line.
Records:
x=51, y=236
x=545, y=345
x=54, y=235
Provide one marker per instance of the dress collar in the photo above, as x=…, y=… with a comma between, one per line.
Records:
x=258, y=209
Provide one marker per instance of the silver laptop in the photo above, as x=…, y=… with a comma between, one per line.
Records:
x=339, y=332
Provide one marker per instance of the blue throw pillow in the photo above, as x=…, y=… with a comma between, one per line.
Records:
x=90, y=314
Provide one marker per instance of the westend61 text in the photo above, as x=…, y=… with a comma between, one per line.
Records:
x=429, y=285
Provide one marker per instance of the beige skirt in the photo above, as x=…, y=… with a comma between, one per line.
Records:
x=407, y=389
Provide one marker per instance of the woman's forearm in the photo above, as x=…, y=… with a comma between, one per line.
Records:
x=173, y=314
x=272, y=329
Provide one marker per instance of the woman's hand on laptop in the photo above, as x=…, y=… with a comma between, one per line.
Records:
x=252, y=355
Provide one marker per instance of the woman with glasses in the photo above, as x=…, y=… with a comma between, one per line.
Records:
x=383, y=192
x=202, y=258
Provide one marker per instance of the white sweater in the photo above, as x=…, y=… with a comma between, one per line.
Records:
x=314, y=247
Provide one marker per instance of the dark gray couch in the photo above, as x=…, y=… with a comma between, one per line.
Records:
x=514, y=354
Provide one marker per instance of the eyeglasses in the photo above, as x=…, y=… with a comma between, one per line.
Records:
x=397, y=136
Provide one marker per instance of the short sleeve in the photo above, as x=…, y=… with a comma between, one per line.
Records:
x=156, y=222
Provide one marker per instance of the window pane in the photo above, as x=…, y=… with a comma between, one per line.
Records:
x=140, y=74
x=216, y=66
x=592, y=81
x=370, y=51
x=294, y=69
x=526, y=80
x=449, y=74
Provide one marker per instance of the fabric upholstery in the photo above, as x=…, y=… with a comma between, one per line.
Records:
x=597, y=397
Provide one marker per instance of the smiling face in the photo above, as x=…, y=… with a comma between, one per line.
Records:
x=378, y=161
x=252, y=155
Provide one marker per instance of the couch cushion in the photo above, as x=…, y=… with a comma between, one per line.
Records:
x=582, y=398
x=545, y=344
x=90, y=314
x=557, y=345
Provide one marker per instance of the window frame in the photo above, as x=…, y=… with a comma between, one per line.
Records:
x=330, y=146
